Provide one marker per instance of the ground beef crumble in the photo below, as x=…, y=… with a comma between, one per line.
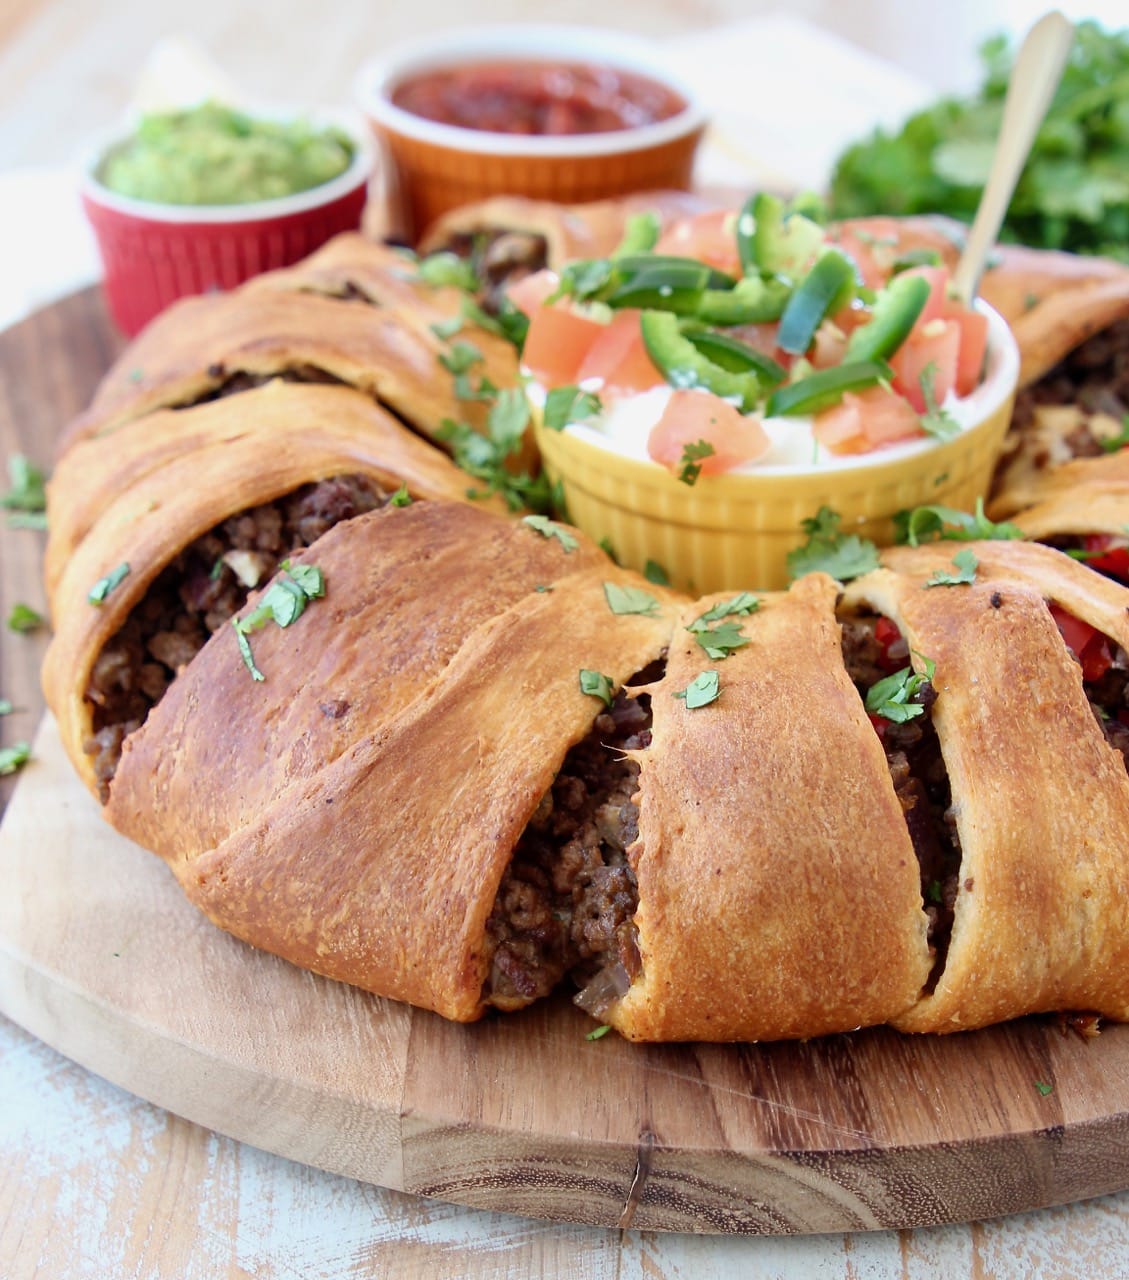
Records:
x=196, y=595
x=568, y=898
x=921, y=781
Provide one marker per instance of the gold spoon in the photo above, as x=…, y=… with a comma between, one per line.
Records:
x=1034, y=78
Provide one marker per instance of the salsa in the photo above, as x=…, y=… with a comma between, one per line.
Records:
x=215, y=155
x=538, y=98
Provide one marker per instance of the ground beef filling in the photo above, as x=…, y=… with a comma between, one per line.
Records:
x=567, y=901
x=500, y=258
x=1094, y=376
x=231, y=384
x=921, y=781
x=197, y=594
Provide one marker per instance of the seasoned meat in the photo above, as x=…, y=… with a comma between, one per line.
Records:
x=568, y=898
x=196, y=595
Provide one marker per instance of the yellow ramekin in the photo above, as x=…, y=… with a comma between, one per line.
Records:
x=734, y=532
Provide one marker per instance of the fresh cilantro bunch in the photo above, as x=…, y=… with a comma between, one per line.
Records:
x=1074, y=191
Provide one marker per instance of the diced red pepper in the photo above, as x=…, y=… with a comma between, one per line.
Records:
x=1107, y=554
x=1087, y=644
x=886, y=634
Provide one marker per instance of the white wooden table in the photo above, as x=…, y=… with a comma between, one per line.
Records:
x=95, y=1183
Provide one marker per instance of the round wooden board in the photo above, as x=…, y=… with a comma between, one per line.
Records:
x=102, y=958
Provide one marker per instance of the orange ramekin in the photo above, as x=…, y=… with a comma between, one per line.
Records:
x=734, y=531
x=433, y=168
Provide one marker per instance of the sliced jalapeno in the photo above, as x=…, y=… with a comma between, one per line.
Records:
x=736, y=356
x=896, y=309
x=750, y=301
x=827, y=287
x=825, y=388
x=683, y=365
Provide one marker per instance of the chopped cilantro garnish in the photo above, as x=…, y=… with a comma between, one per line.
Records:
x=605, y=545
x=598, y=1033
x=14, y=757
x=446, y=329
x=597, y=684
x=716, y=631
x=283, y=602
x=460, y=358
x=691, y=460
x=965, y=563
x=1044, y=1088
x=6, y=707
x=551, y=529
x=701, y=691
x=102, y=588
x=935, y=421
x=1111, y=444
x=485, y=456
x=892, y=696
x=935, y=893
x=623, y=599
x=741, y=605
x=508, y=322
x=654, y=572
x=928, y=524
x=569, y=404
x=720, y=641
x=842, y=555
x=448, y=269
x=27, y=496
x=584, y=278
x=24, y=618
x=401, y=498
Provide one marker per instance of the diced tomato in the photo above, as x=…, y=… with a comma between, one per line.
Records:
x=693, y=416
x=709, y=237
x=1107, y=554
x=887, y=635
x=530, y=292
x=865, y=420
x=619, y=357
x=973, y=346
x=938, y=303
x=936, y=343
x=1087, y=644
x=880, y=723
x=873, y=243
x=558, y=340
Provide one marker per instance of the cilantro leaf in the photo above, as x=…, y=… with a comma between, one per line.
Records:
x=720, y=641
x=935, y=421
x=551, y=529
x=654, y=572
x=102, y=588
x=965, y=563
x=741, y=604
x=401, y=498
x=626, y=599
x=6, y=707
x=460, y=357
x=598, y=1033
x=928, y=524
x=597, y=685
x=691, y=460
x=701, y=691
x=14, y=757
x=283, y=602
x=28, y=490
x=843, y=556
x=1111, y=444
x=447, y=268
x=23, y=618
x=508, y=322
x=892, y=696
x=569, y=404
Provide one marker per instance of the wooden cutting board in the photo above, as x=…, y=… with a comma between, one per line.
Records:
x=102, y=958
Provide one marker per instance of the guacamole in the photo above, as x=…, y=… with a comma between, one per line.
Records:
x=212, y=154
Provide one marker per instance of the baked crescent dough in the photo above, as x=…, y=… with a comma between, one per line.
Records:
x=473, y=744
x=778, y=891
x=1040, y=803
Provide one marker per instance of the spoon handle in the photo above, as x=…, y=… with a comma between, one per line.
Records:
x=1034, y=78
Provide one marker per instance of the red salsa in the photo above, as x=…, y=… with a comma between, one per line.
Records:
x=542, y=98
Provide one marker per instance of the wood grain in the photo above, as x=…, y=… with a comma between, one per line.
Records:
x=102, y=958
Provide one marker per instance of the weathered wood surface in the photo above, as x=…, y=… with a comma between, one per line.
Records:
x=101, y=958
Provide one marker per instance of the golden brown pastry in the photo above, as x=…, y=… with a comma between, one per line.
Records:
x=778, y=892
x=300, y=419
x=517, y=234
x=216, y=344
x=1039, y=798
x=404, y=734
